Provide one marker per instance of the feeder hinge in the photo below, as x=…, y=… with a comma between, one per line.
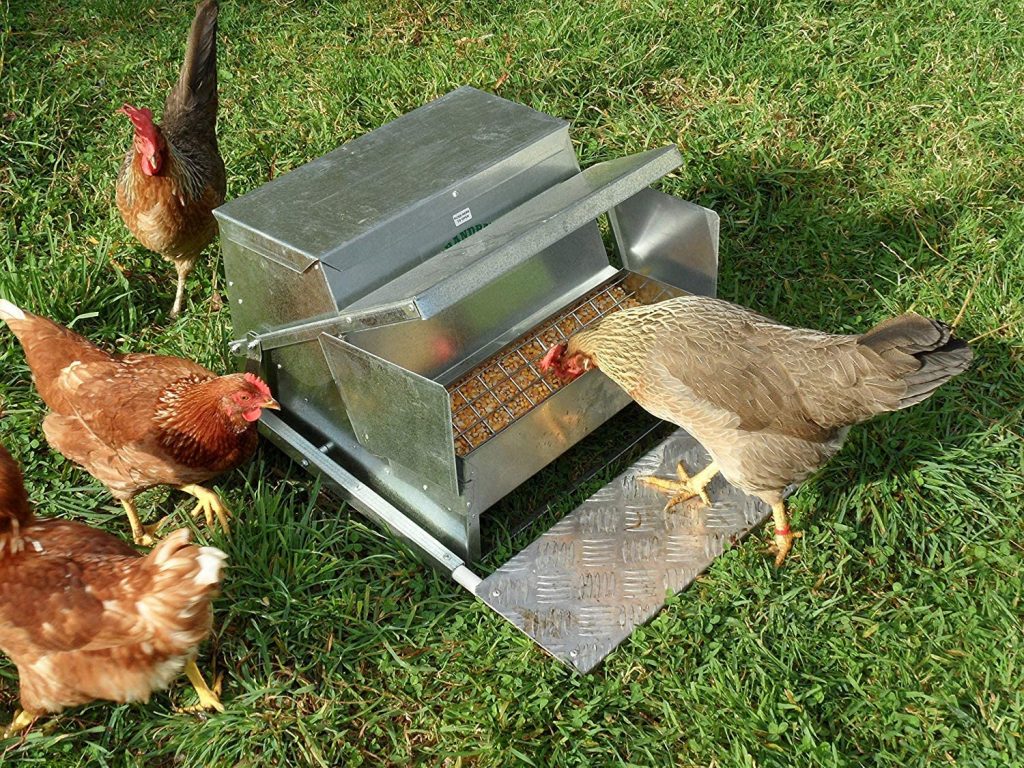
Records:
x=252, y=348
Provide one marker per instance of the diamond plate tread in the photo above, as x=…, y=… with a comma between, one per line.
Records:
x=608, y=566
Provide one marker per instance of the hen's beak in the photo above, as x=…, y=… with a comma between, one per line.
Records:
x=552, y=359
x=272, y=404
x=152, y=161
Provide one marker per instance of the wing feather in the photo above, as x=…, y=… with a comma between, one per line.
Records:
x=711, y=358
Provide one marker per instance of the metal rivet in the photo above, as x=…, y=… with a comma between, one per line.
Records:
x=239, y=301
x=424, y=487
x=495, y=593
x=230, y=283
x=573, y=654
x=305, y=463
x=348, y=319
x=455, y=193
x=279, y=366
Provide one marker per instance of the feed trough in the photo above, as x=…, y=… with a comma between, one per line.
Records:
x=398, y=293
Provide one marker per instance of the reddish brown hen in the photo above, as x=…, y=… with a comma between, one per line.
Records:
x=770, y=403
x=138, y=421
x=83, y=616
x=173, y=176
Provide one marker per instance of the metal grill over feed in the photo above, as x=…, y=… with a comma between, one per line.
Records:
x=398, y=293
x=506, y=386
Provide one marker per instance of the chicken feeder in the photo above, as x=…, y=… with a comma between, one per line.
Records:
x=397, y=294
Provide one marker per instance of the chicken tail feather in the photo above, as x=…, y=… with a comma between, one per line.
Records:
x=10, y=311
x=196, y=90
x=177, y=554
x=940, y=356
x=49, y=349
x=210, y=560
x=15, y=512
x=184, y=578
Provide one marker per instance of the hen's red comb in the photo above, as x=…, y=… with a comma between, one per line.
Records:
x=552, y=358
x=259, y=384
x=142, y=119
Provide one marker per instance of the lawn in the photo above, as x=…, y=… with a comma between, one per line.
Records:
x=865, y=158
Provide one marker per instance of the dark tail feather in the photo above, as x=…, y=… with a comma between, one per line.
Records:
x=15, y=512
x=940, y=357
x=196, y=90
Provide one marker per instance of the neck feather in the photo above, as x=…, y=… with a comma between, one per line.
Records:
x=195, y=427
x=617, y=345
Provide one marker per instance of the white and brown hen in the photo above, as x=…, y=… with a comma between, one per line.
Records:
x=84, y=616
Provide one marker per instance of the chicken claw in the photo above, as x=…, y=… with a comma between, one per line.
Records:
x=142, y=534
x=783, y=536
x=21, y=721
x=209, y=504
x=208, y=698
x=150, y=531
x=685, y=487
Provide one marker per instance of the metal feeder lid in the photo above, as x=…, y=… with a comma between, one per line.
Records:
x=323, y=209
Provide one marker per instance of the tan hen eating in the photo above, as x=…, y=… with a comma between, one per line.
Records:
x=770, y=403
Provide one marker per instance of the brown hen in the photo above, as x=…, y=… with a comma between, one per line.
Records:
x=138, y=421
x=770, y=403
x=173, y=176
x=83, y=616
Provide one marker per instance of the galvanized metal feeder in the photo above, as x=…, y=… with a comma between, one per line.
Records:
x=397, y=294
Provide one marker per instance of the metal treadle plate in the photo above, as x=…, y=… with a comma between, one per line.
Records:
x=607, y=567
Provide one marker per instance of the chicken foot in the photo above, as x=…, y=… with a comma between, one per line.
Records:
x=210, y=504
x=685, y=487
x=21, y=721
x=783, y=536
x=140, y=533
x=209, y=698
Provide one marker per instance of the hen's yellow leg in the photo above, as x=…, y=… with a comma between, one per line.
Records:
x=184, y=267
x=21, y=721
x=140, y=533
x=209, y=504
x=208, y=698
x=783, y=536
x=685, y=487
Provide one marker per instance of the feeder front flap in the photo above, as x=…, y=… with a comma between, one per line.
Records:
x=396, y=414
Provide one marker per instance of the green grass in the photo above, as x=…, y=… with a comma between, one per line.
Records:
x=865, y=158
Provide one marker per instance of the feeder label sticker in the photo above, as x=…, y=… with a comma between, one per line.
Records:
x=462, y=217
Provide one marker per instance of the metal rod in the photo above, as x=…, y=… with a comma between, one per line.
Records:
x=370, y=503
